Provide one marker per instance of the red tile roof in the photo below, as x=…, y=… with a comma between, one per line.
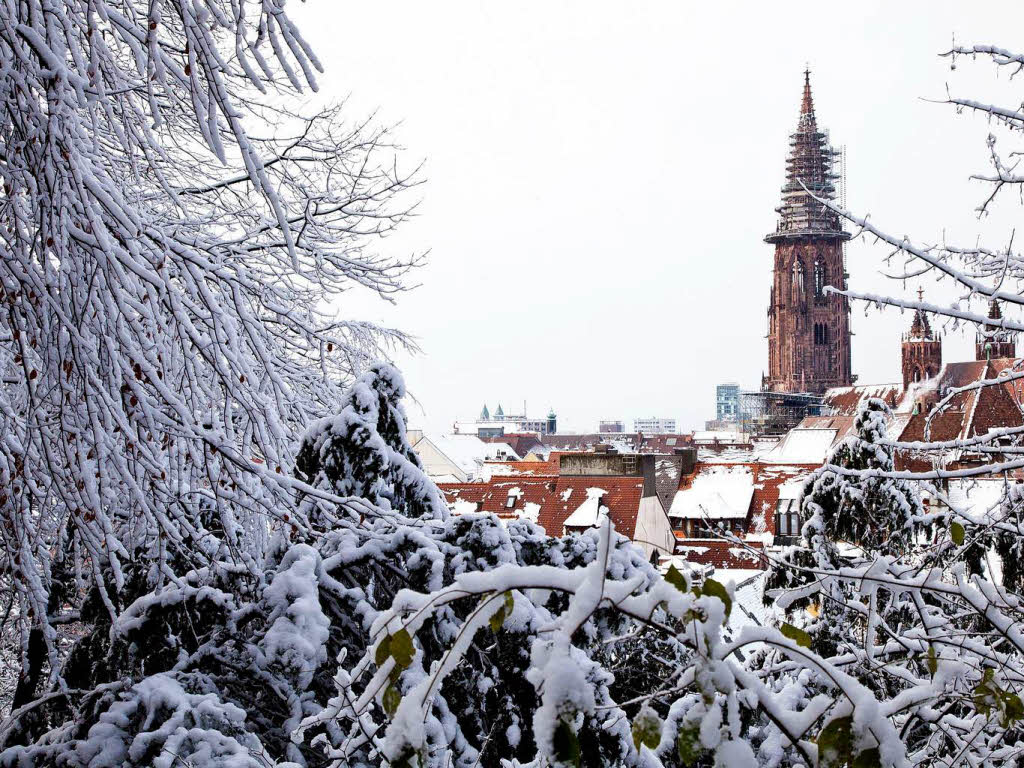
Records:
x=967, y=414
x=492, y=496
x=721, y=553
x=844, y=401
x=528, y=467
x=622, y=498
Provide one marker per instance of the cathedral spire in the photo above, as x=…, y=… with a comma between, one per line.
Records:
x=807, y=105
x=809, y=175
x=808, y=325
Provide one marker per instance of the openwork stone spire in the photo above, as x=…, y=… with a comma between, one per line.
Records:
x=808, y=175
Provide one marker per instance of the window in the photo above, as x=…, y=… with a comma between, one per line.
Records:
x=511, y=500
x=787, y=518
x=821, y=333
x=798, y=277
x=819, y=278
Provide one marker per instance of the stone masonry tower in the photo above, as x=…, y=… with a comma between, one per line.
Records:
x=808, y=328
x=921, y=350
x=992, y=341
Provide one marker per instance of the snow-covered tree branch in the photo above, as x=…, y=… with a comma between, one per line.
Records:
x=174, y=239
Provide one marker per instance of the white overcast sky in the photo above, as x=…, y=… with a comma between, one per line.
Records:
x=600, y=176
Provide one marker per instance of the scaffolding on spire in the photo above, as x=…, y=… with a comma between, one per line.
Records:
x=809, y=175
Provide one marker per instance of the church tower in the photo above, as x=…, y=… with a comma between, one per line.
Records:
x=993, y=342
x=922, y=350
x=808, y=329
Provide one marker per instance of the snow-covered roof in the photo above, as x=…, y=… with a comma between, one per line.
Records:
x=802, y=446
x=587, y=514
x=467, y=452
x=721, y=435
x=976, y=497
x=500, y=451
x=792, y=488
x=717, y=492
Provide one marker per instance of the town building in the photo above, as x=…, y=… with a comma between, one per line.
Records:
x=611, y=427
x=457, y=458
x=499, y=423
x=727, y=403
x=654, y=425
x=808, y=326
x=579, y=491
x=947, y=402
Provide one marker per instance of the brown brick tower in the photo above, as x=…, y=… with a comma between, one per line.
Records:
x=808, y=329
x=922, y=350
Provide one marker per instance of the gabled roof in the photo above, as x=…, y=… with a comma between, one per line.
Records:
x=969, y=413
x=721, y=491
x=622, y=498
x=762, y=484
x=493, y=496
x=590, y=512
x=845, y=401
x=467, y=452
x=807, y=443
x=522, y=443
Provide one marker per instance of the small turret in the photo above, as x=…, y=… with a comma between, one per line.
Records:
x=499, y=414
x=922, y=349
x=552, y=421
x=485, y=415
x=993, y=341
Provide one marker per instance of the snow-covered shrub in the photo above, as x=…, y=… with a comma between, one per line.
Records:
x=263, y=651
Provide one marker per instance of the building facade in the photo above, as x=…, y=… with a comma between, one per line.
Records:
x=727, y=402
x=808, y=327
x=609, y=427
x=654, y=426
x=498, y=423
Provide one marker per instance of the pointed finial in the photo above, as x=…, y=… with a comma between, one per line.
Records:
x=807, y=105
x=920, y=293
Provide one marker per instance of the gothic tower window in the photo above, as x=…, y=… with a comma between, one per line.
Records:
x=798, y=278
x=819, y=278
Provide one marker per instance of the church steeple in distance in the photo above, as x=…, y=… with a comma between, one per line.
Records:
x=808, y=328
x=921, y=350
x=992, y=341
